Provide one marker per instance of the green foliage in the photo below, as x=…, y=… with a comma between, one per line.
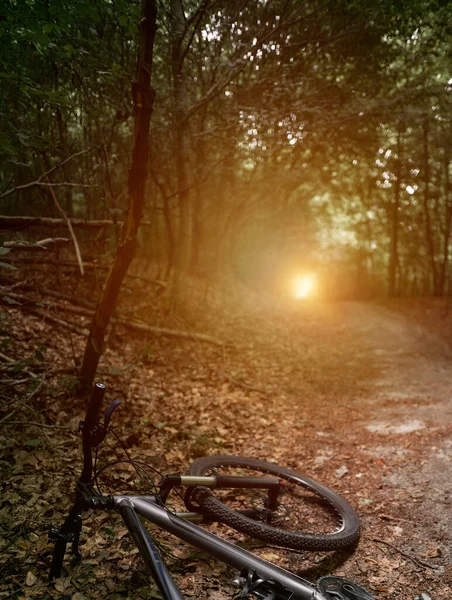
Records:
x=273, y=118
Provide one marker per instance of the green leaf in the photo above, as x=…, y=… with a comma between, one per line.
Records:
x=39, y=356
x=6, y=341
x=9, y=300
x=69, y=50
x=111, y=370
x=8, y=266
x=34, y=443
x=123, y=20
x=4, y=251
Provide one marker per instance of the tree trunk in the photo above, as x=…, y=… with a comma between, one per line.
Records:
x=143, y=98
x=182, y=255
x=428, y=222
x=171, y=242
x=448, y=223
x=394, y=222
x=62, y=132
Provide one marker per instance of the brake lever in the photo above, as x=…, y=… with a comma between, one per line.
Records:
x=109, y=412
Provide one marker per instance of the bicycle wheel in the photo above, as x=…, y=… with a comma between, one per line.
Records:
x=309, y=516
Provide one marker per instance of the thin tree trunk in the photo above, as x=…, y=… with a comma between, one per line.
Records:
x=62, y=132
x=428, y=224
x=143, y=98
x=448, y=224
x=180, y=150
x=168, y=226
x=394, y=222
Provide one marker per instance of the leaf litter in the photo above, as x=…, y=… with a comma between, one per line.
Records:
x=292, y=384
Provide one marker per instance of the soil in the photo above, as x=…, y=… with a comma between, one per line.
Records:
x=356, y=395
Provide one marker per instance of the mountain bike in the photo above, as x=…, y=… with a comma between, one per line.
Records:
x=261, y=499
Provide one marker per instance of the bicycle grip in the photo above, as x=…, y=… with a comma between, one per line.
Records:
x=93, y=411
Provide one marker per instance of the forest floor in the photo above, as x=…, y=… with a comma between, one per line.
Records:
x=356, y=395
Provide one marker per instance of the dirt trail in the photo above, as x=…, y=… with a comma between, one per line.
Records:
x=365, y=406
x=414, y=389
x=410, y=405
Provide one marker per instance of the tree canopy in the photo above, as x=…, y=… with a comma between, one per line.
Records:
x=286, y=135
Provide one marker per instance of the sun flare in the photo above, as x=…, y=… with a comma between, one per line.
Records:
x=304, y=286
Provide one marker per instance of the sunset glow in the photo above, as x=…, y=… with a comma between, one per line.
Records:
x=304, y=286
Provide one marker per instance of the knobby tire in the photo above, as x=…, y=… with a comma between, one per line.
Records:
x=216, y=510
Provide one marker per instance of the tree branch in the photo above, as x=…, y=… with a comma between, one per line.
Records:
x=41, y=245
x=71, y=231
x=42, y=425
x=10, y=222
x=39, y=181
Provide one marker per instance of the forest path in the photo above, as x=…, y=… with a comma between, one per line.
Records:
x=414, y=365
x=409, y=404
x=360, y=397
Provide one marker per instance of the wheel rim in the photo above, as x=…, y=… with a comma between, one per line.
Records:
x=301, y=509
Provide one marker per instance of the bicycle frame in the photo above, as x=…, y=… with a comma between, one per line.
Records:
x=263, y=579
x=129, y=507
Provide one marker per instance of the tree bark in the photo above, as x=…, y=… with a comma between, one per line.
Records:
x=447, y=230
x=182, y=255
x=143, y=99
x=394, y=223
x=429, y=233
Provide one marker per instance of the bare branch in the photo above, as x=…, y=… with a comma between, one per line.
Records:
x=71, y=231
x=196, y=18
x=41, y=245
x=34, y=424
x=10, y=222
x=10, y=360
x=65, y=184
x=39, y=181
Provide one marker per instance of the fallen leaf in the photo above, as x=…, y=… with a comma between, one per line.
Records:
x=341, y=472
x=270, y=556
x=62, y=584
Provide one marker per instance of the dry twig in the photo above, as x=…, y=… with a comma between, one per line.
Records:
x=416, y=561
x=71, y=231
x=40, y=182
x=41, y=245
x=43, y=425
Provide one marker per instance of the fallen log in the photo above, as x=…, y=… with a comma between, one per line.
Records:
x=41, y=245
x=12, y=222
x=29, y=302
x=25, y=285
x=200, y=337
x=134, y=325
x=44, y=314
x=88, y=266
